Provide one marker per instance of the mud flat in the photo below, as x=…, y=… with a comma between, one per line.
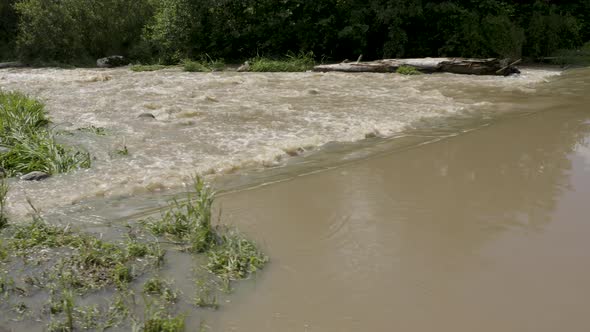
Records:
x=485, y=231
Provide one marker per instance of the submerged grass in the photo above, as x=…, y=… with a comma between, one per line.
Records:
x=205, y=294
x=159, y=322
x=291, y=63
x=84, y=261
x=230, y=255
x=161, y=288
x=29, y=145
x=235, y=257
x=69, y=268
x=99, y=131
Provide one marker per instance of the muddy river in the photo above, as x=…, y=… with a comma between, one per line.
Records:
x=386, y=203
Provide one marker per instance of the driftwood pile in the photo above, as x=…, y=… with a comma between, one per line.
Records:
x=502, y=67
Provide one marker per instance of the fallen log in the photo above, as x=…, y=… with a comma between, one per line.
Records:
x=428, y=65
x=4, y=65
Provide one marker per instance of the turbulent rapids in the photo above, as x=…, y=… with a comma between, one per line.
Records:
x=218, y=123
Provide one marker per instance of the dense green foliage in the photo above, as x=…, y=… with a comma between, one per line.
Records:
x=292, y=63
x=168, y=31
x=73, y=30
x=8, y=29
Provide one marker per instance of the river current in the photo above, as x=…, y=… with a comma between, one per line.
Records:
x=220, y=123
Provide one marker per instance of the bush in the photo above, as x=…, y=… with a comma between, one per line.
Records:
x=206, y=64
x=292, y=63
x=503, y=37
x=168, y=35
x=74, y=30
x=547, y=33
x=8, y=29
x=194, y=66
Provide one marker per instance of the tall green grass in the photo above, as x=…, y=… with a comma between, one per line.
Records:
x=408, y=70
x=291, y=63
x=206, y=64
x=189, y=221
x=31, y=145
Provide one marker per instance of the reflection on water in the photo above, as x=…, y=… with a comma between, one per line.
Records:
x=482, y=232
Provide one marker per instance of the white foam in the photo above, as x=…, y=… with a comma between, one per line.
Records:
x=220, y=122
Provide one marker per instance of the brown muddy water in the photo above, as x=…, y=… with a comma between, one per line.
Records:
x=468, y=212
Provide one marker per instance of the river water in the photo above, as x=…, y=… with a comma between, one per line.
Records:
x=466, y=209
x=219, y=123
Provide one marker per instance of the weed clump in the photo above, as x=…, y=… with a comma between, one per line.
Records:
x=206, y=64
x=235, y=257
x=99, y=131
x=31, y=146
x=70, y=267
x=85, y=262
x=157, y=322
x=162, y=288
x=189, y=221
x=291, y=63
x=408, y=70
x=205, y=294
x=194, y=66
x=123, y=151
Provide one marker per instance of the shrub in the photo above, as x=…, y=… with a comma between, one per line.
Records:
x=292, y=63
x=407, y=70
x=75, y=30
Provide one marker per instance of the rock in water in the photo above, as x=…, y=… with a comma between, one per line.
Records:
x=112, y=61
x=244, y=67
x=35, y=176
x=146, y=116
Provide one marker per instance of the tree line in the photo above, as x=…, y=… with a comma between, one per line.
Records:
x=167, y=31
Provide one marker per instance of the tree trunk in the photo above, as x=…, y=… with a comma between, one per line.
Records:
x=10, y=65
x=427, y=65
